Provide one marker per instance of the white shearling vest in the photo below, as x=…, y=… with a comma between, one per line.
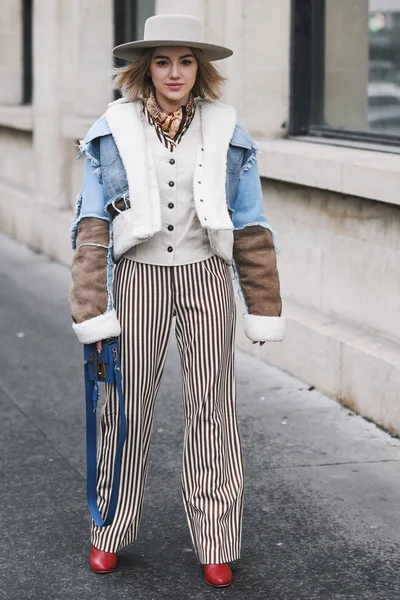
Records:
x=182, y=239
x=143, y=220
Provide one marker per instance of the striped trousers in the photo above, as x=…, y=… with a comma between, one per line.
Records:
x=147, y=297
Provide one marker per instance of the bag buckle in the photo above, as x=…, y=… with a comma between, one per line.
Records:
x=98, y=367
x=101, y=368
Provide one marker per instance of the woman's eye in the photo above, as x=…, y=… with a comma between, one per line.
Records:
x=161, y=63
x=187, y=62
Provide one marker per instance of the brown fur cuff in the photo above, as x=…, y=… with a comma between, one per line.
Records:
x=255, y=258
x=88, y=296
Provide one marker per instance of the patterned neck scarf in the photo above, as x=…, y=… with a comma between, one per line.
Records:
x=170, y=127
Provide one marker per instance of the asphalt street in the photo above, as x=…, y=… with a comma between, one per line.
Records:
x=322, y=497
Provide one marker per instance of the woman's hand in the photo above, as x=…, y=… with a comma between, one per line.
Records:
x=99, y=346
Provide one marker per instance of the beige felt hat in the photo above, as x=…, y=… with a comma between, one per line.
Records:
x=172, y=30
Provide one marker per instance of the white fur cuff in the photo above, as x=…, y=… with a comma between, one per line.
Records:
x=99, y=328
x=264, y=329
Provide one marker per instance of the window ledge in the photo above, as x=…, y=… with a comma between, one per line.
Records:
x=16, y=117
x=352, y=171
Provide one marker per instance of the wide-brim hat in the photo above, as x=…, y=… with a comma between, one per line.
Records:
x=172, y=30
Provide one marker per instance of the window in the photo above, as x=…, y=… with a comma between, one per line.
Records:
x=27, y=78
x=345, y=69
x=16, y=57
x=129, y=19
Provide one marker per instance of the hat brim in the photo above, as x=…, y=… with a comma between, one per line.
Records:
x=133, y=50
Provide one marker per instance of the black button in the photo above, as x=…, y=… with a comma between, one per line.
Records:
x=170, y=227
x=170, y=249
x=199, y=182
x=171, y=205
x=171, y=184
x=201, y=200
x=200, y=165
x=171, y=161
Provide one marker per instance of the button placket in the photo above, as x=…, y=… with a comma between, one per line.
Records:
x=170, y=167
x=199, y=182
x=170, y=224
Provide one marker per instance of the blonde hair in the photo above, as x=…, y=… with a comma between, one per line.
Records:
x=134, y=82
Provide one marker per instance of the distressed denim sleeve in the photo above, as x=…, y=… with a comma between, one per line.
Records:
x=247, y=206
x=91, y=298
x=90, y=201
x=254, y=257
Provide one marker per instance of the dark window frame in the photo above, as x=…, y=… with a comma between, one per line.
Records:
x=27, y=39
x=128, y=16
x=307, y=69
x=125, y=12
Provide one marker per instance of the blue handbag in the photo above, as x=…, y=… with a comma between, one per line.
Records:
x=104, y=366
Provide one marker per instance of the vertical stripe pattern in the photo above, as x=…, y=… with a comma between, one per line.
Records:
x=146, y=297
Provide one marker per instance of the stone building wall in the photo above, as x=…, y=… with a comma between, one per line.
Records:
x=336, y=209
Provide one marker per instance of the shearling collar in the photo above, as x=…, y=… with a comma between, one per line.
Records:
x=218, y=124
x=126, y=127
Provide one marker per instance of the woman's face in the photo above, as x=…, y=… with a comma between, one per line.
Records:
x=173, y=71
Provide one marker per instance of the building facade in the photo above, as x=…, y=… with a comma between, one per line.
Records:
x=317, y=83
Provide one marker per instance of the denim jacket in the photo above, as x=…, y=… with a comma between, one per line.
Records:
x=118, y=169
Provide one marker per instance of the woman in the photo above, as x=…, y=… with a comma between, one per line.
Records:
x=172, y=195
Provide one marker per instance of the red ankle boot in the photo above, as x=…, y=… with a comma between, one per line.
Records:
x=102, y=562
x=218, y=575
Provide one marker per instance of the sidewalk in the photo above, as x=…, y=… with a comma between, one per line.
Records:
x=322, y=500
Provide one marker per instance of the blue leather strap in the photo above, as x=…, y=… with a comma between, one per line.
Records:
x=91, y=393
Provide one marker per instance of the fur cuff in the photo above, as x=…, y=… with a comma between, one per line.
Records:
x=99, y=328
x=264, y=329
